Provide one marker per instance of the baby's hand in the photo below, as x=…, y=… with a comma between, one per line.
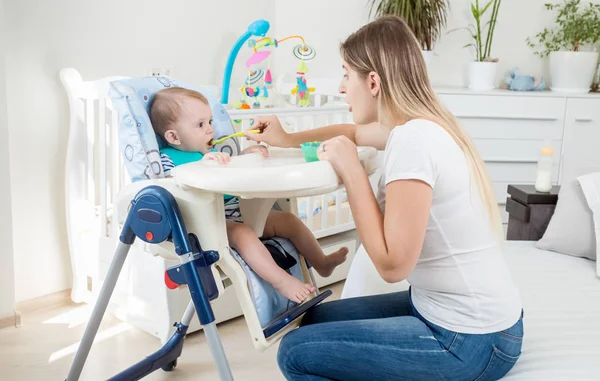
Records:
x=221, y=157
x=257, y=148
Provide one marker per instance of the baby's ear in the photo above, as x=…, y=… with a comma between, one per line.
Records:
x=172, y=138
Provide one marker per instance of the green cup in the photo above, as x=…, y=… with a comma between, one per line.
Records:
x=309, y=149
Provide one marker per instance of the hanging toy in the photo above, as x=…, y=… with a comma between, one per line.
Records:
x=268, y=78
x=304, y=52
x=257, y=86
x=302, y=91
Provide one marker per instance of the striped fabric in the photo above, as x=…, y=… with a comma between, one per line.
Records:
x=167, y=163
x=232, y=204
x=232, y=210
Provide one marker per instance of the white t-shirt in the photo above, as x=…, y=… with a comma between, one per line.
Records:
x=461, y=281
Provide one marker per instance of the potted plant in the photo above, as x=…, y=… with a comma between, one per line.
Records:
x=482, y=71
x=569, y=45
x=426, y=18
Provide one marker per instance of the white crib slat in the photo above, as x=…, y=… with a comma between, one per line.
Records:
x=89, y=123
x=315, y=121
x=350, y=216
x=102, y=143
x=309, y=213
x=318, y=100
x=338, y=207
x=115, y=160
x=324, y=211
x=122, y=172
x=338, y=118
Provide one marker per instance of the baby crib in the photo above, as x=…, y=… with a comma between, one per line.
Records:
x=95, y=174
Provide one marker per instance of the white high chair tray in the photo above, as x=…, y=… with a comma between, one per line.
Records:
x=284, y=173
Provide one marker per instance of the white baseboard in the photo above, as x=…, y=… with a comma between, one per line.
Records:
x=12, y=319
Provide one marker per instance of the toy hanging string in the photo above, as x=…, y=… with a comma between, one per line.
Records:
x=255, y=45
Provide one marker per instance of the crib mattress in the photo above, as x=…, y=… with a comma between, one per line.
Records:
x=561, y=300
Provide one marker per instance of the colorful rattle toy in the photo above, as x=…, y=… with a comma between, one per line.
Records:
x=259, y=79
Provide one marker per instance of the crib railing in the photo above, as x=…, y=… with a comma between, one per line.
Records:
x=320, y=217
x=94, y=174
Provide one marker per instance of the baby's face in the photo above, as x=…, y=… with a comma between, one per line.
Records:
x=195, y=129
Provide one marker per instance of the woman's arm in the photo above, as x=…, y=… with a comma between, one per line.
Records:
x=321, y=134
x=272, y=133
x=393, y=240
x=370, y=135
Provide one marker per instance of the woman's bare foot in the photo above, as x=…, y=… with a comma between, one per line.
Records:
x=333, y=260
x=293, y=289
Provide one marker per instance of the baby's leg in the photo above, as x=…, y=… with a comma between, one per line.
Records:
x=287, y=225
x=245, y=242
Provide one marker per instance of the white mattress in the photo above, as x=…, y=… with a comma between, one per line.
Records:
x=561, y=300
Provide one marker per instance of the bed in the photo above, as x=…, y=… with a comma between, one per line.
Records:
x=561, y=302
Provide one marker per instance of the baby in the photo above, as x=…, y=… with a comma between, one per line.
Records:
x=183, y=118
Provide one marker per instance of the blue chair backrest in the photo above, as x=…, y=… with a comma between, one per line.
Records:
x=137, y=141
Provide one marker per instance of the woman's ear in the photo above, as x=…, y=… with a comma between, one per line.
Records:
x=374, y=84
x=172, y=138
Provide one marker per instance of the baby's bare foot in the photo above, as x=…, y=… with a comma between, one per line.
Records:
x=333, y=260
x=293, y=289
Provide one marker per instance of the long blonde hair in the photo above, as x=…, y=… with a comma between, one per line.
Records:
x=388, y=47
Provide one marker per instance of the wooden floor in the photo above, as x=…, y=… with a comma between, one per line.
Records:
x=44, y=347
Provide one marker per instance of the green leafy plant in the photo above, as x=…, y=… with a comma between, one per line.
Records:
x=426, y=18
x=577, y=26
x=483, y=49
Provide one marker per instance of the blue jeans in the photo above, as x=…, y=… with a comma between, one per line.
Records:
x=383, y=337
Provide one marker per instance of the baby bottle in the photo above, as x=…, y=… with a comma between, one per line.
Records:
x=543, y=179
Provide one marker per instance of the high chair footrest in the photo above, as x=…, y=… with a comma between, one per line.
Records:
x=279, y=322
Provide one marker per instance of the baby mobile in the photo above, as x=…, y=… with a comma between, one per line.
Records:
x=259, y=80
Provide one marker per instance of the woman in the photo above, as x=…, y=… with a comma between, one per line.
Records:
x=434, y=222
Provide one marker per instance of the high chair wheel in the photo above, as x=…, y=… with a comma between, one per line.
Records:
x=170, y=366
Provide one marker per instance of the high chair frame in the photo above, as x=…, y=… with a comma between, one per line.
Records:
x=154, y=217
x=148, y=210
x=95, y=176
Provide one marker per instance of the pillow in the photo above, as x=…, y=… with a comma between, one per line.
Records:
x=137, y=141
x=590, y=184
x=571, y=228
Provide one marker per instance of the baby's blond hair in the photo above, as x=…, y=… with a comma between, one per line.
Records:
x=166, y=107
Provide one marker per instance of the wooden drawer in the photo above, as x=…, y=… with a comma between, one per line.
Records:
x=508, y=117
x=582, y=138
x=519, y=173
x=514, y=150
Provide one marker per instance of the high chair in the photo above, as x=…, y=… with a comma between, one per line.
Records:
x=183, y=217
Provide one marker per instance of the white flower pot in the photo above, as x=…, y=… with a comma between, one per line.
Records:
x=427, y=55
x=572, y=72
x=482, y=75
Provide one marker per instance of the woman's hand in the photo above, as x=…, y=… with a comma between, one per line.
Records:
x=257, y=148
x=271, y=132
x=221, y=157
x=341, y=152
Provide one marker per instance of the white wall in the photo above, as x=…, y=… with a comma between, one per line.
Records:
x=97, y=38
x=114, y=37
x=7, y=288
x=336, y=19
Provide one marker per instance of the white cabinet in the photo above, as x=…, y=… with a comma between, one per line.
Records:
x=510, y=128
x=581, y=144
